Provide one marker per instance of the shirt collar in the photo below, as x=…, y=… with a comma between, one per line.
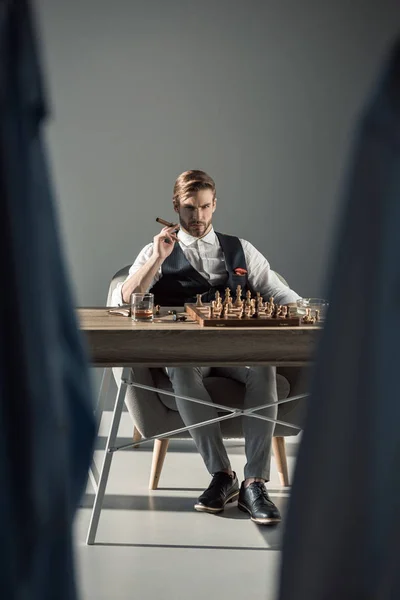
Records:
x=189, y=240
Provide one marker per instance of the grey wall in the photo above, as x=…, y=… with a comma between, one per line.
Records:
x=260, y=94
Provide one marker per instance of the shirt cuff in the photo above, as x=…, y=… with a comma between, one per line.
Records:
x=116, y=297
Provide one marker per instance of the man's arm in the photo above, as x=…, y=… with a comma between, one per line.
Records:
x=262, y=279
x=141, y=259
x=142, y=279
x=146, y=269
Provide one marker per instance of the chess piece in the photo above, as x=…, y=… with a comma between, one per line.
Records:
x=217, y=297
x=199, y=302
x=247, y=311
x=288, y=312
x=212, y=309
x=157, y=310
x=248, y=298
x=308, y=319
x=227, y=296
x=316, y=315
x=256, y=312
x=238, y=301
x=218, y=307
x=283, y=313
x=275, y=310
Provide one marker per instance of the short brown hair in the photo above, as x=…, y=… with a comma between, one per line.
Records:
x=191, y=182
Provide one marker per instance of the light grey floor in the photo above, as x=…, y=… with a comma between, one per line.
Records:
x=154, y=545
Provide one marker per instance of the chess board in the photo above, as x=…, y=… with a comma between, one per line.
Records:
x=201, y=315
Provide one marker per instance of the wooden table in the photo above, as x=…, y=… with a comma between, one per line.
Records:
x=118, y=341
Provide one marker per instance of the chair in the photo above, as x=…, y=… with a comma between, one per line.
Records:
x=155, y=413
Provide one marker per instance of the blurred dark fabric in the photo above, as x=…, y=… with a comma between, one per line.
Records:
x=46, y=418
x=342, y=531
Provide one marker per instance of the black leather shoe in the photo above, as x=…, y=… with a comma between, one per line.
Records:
x=222, y=489
x=254, y=500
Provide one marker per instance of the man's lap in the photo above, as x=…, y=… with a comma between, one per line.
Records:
x=237, y=373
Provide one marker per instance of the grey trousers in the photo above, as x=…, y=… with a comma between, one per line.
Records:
x=260, y=385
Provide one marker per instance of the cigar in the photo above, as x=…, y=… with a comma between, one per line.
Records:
x=166, y=223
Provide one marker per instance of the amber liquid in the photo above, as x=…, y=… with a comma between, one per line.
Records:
x=142, y=314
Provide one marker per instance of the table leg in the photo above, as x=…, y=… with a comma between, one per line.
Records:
x=108, y=456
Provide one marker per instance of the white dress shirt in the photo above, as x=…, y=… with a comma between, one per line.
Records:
x=206, y=256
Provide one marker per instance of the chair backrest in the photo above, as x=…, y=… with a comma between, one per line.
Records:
x=122, y=274
x=119, y=277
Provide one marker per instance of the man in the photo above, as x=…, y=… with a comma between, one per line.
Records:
x=193, y=259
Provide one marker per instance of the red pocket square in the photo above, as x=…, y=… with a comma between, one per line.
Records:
x=240, y=271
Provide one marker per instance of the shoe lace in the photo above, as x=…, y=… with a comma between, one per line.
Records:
x=261, y=490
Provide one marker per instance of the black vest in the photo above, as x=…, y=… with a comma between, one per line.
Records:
x=180, y=282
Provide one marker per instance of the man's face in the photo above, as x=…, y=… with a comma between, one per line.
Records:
x=195, y=213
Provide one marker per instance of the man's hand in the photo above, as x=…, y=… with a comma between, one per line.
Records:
x=164, y=242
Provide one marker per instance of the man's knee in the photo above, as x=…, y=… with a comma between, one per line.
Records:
x=266, y=374
x=262, y=378
x=185, y=375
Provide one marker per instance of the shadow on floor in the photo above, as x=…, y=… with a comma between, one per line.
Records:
x=271, y=534
x=180, y=489
x=156, y=502
x=187, y=547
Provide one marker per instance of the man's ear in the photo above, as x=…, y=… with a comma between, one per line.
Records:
x=214, y=204
x=176, y=206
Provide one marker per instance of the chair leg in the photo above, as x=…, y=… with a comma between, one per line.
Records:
x=159, y=452
x=137, y=436
x=278, y=446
